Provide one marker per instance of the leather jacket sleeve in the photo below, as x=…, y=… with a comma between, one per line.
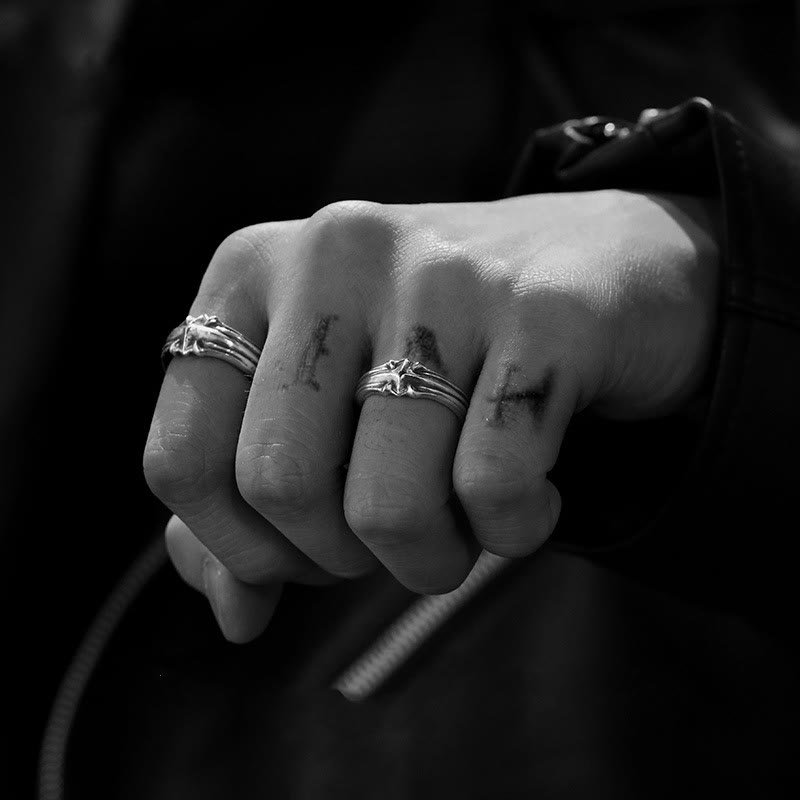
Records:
x=721, y=531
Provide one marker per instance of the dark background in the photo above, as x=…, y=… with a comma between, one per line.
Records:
x=134, y=136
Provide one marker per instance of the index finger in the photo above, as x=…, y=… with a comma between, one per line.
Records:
x=189, y=459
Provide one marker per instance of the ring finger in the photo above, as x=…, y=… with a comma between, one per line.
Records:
x=511, y=438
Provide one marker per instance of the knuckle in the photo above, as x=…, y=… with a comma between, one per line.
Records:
x=339, y=231
x=381, y=519
x=488, y=480
x=176, y=467
x=273, y=481
x=243, y=258
x=345, y=216
x=245, y=246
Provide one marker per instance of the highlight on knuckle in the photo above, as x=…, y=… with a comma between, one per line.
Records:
x=273, y=481
x=346, y=217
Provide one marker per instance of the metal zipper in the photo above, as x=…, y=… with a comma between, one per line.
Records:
x=595, y=130
x=52, y=757
x=383, y=658
x=411, y=630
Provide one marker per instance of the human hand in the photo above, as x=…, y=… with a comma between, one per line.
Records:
x=536, y=306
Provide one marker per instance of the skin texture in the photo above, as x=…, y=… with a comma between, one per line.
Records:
x=537, y=307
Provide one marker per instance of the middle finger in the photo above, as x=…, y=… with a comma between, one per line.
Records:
x=398, y=492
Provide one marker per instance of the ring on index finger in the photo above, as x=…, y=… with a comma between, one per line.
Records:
x=208, y=335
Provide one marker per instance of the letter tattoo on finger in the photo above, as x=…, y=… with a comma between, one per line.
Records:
x=315, y=348
x=421, y=346
x=535, y=398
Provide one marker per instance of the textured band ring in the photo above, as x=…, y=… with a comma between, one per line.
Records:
x=208, y=335
x=405, y=378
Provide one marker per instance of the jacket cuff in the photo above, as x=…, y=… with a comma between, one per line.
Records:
x=725, y=513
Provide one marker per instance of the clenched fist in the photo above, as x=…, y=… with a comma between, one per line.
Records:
x=536, y=307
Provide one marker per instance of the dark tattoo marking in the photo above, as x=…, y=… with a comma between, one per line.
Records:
x=314, y=349
x=535, y=399
x=421, y=346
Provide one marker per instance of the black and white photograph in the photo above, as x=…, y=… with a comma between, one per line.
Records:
x=400, y=401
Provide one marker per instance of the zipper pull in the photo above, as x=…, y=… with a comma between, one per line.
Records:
x=595, y=130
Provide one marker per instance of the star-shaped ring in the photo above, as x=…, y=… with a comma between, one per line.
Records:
x=208, y=335
x=405, y=378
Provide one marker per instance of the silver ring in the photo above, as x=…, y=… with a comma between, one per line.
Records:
x=208, y=335
x=405, y=378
